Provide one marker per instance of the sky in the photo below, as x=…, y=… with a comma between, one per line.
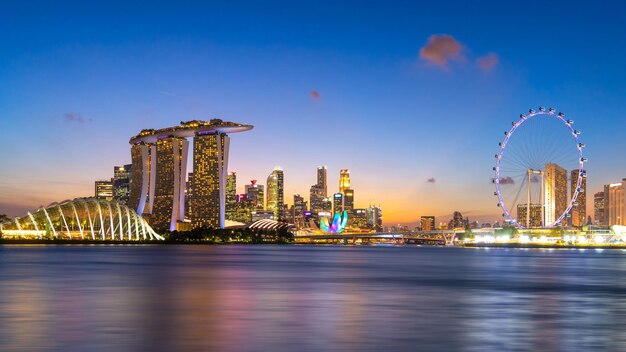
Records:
x=412, y=97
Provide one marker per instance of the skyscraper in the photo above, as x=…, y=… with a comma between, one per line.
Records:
x=374, y=216
x=337, y=203
x=121, y=183
x=344, y=180
x=348, y=200
x=275, y=193
x=535, y=214
x=555, y=192
x=579, y=210
x=617, y=203
x=210, y=154
x=316, y=198
x=168, y=203
x=599, y=209
x=231, y=195
x=103, y=190
x=256, y=194
x=428, y=223
x=299, y=207
x=158, y=180
x=322, y=180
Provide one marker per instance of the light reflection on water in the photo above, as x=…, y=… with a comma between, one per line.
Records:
x=284, y=298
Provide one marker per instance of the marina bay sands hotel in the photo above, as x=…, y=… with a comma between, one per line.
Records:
x=159, y=169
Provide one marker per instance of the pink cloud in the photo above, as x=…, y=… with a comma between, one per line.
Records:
x=440, y=49
x=315, y=95
x=488, y=62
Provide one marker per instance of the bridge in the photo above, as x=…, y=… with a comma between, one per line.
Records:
x=437, y=238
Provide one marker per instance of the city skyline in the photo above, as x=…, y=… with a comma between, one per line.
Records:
x=88, y=92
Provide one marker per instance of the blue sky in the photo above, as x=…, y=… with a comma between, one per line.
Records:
x=77, y=79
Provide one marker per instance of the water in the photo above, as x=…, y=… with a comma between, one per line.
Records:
x=310, y=298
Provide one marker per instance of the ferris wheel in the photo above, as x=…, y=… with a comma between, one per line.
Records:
x=539, y=170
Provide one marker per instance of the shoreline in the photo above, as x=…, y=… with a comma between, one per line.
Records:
x=541, y=246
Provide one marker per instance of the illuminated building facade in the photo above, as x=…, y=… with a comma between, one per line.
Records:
x=256, y=194
x=555, y=192
x=616, y=205
x=231, y=195
x=153, y=188
x=297, y=210
x=428, y=223
x=209, y=180
x=344, y=180
x=579, y=210
x=535, y=214
x=275, y=193
x=374, y=216
x=322, y=180
x=337, y=203
x=599, y=209
x=358, y=219
x=103, y=190
x=348, y=200
x=121, y=183
x=168, y=203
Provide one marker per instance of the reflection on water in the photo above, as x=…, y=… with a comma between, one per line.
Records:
x=284, y=298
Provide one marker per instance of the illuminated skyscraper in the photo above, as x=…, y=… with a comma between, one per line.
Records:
x=428, y=223
x=555, y=192
x=617, y=203
x=358, y=219
x=348, y=200
x=231, y=195
x=142, y=176
x=157, y=179
x=322, y=180
x=337, y=203
x=256, y=194
x=599, y=209
x=210, y=154
x=121, y=183
x=168, y=203
x=579, y=210
x=316, y=198
x=535, y=214
x=374, y=216
x=299, y=207
x=275, y=193
x=344, y=180
x=104, y=190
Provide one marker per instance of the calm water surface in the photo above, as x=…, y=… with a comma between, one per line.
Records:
x=286, y=298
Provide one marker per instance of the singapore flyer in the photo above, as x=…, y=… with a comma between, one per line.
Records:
x=539, y=170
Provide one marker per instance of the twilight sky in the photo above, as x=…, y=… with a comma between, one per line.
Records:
x=412, y=97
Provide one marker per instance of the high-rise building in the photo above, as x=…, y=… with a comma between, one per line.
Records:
x=374, y=215
x=104, y=190
x=316, y=198
x=275, y=193
x=599, y=209
x=348, y=200
x=231, y=195
x=121, y=183
x=337, y=203
x=158, y=181
x=358, y=219
x=322, y=180
x=299, y=208
x=617, y=203
x=428, y=223
x=188, y=195
x=535, y=215
x=142, y=176
x=210, y=154
x=256, y=194
x=168, y=203
x=344, y=180
x=579, y=210
x=555, y=192
x=327, y=205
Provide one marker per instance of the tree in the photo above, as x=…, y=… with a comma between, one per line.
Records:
x=4, y=218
